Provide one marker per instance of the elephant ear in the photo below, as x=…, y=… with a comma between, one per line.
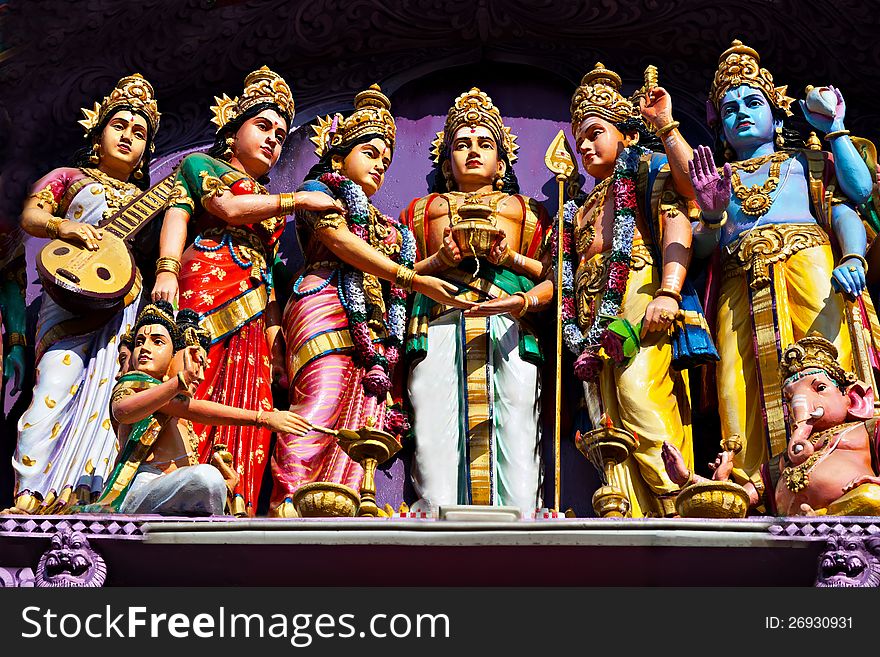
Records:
x=861, y=397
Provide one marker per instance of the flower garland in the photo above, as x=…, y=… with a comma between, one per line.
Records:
x=351, y=291
x=587, y=346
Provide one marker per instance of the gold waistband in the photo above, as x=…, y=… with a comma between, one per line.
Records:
x=767, y=245
x=592, y=276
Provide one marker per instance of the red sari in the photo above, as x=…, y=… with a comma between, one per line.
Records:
x=226, y=277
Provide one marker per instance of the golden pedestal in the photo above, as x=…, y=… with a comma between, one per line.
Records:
x=371, y=448
x=323, y=499
x=606, y=448
x=712, y=499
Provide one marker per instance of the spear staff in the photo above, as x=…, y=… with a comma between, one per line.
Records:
x=560, y=161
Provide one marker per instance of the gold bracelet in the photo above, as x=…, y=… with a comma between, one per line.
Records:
x=525, y=299
x=169, y=264
x=831, y=136
x=847, y=256
x=667, y=292
x=53, y=226
x=404, y=277
x=669, y=127
x=714, y=225
x=17, y=339
x=287, y=203
x=259, y=419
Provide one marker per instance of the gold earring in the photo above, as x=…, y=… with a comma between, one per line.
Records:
x=139, y=172
x=336, y=164
x=780, y=140
x=94, y=158
x=228, y=152
x=499, y=181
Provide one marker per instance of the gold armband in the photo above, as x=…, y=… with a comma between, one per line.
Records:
x=17, y=340
x=831, y=136
x=287, y=203
x=53, y=226
x=404, y=277
x=169, y=264
x=714, y=225
x=847, y=256
x=669, y=127
x=667, y=292
x=526, y=304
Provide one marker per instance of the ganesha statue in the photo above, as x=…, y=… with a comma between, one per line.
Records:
x=830, y=464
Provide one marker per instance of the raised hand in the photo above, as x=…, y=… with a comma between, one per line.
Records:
x=656, y=107
x=832, y=105
x=674, y=463
x=712, y=189
x=193, y=372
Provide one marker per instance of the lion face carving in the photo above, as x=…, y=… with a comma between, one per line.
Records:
x=850, y=561
x=70, y=562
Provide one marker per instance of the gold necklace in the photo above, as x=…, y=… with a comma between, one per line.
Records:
x=116, y=192
x=797, y=477
x=753, y=164
x=756, y=201
x=596, y=198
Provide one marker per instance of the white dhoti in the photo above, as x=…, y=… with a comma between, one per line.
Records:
x=476, y=405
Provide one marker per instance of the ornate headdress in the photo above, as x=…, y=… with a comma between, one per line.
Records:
x=158, y=312
x=260, y=86
x=599, y=95
x=810, y=355
x=471, y=109
x=741, y=65
x=371, y=117
x=131, y=91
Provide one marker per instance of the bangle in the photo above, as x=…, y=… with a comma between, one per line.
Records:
x=861, y=259
x=404, y=277
x=831, y=136
x=169, y=264
x=259, y=418
x=286, y=203
x=525, y=299
x=53, y=226
x=667, y=292
x=669, y=127
x=17, y=339
x=508, y=255
x=715, y=225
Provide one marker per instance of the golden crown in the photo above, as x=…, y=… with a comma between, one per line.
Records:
x=260, y=86
x=371, y=116
x=474, y=108
x=599, y=95
x=131, y=91
x=813, y=353
x=741, y=65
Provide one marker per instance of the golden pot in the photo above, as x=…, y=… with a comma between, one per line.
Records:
x=712, y=499
x=474, y=229
x=323, y=499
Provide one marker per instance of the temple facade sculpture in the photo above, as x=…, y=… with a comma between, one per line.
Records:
x=66, y=446
x=474, y=382
x=345, y=320
x=771, y=214
x=225, y=274
x=626, y=249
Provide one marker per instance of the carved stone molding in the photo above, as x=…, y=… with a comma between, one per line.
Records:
x=13, y=577
x=70, y=562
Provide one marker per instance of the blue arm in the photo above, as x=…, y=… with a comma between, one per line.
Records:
x=849, y=275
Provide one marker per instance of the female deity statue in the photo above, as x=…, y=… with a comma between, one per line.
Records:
x=475, y=385
x=344, y=323
x=626, y=249
x=225, y=274
x=770, y=214
x=66, y=445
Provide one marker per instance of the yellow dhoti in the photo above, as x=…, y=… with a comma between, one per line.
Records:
x=776, y=289
x=646, y=397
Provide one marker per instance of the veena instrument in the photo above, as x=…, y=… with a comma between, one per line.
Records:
x=81, y=280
